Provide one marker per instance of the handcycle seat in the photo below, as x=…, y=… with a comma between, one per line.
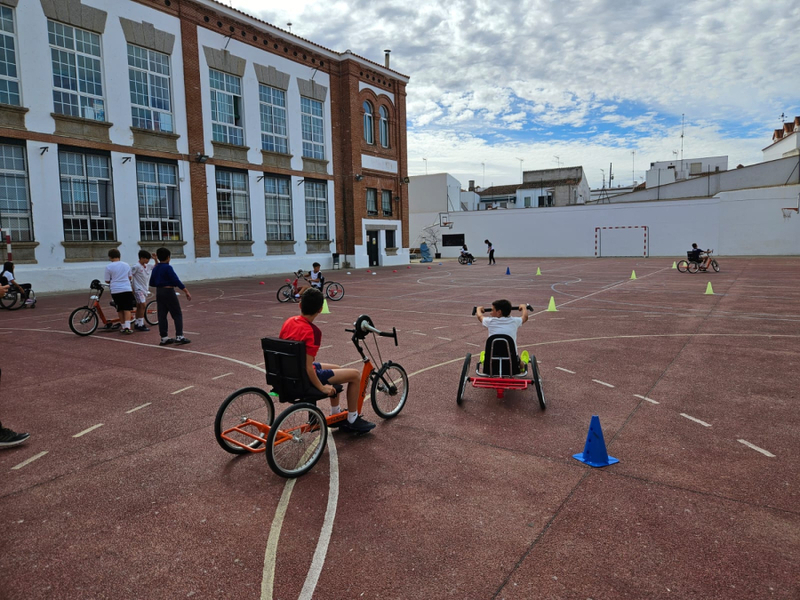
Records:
x=285, y=363
x=500, y=357
x=694, y=255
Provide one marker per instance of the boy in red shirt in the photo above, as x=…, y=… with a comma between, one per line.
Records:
x=301, y=328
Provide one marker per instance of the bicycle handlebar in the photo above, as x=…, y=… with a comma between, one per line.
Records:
x=363, y=326
x=475, y=308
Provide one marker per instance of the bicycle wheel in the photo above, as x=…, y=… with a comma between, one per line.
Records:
x=83, y=321
x=296, y=440
x=462, y=383
x=12, y=300
x=537, y=382
x=715, y=266
x=151, y=313
x=247, y=403
x=693, y=267
x=389, y=390
x=285, y=293
x=683, y=266
x=334, y=291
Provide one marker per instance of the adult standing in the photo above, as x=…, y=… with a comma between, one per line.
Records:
x=490, y=250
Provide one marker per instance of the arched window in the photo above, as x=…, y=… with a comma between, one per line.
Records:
x=384, y=126
x=369, y=134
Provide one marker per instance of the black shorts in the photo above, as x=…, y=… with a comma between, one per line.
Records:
x=124, y=300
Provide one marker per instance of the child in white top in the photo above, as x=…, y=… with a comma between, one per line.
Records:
x=500, y=321
x=314, y=277
x=140, y=277
x=118, y=276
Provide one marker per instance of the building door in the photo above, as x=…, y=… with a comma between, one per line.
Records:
x=372, y=248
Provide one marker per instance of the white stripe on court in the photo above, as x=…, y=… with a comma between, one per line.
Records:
x=182, y=390
x=645, y=398
x=127, y=412
x=443, y=338
x=565, y=370
x=471, y=344
x=268, y=575
x=30, y=460
x=85, y=431
x=754, y=447
x=703, y=423
x=221, y=376
x=603, y=383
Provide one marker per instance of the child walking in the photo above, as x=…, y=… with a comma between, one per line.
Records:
x=118, y=278
x=165, y=280
x=140, y=276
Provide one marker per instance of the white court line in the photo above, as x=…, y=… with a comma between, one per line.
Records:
x=557, y=318
x=324, y=347
x=417, y=333
x=565, y=370
x=127, y=412
x=259, y=316
x=192, y=332
x=85, y=431
x=221, y=376
x=442, y=327
x=268, y=574
x=30, y=460
x=471, y=344
x=182, y=390
x=703, y=423
x=749, y=445
x=645, y=398
x=238, y=314
x=603, y=383
x=219, y=313
x=444, y=338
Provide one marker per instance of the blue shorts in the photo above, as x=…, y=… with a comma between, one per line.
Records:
x=323, y=374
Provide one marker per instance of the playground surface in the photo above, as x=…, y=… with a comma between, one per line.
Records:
x=123, y=492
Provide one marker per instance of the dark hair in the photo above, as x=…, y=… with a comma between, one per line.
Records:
x=163, y=254
x=486, y=242
x=316, y=265
x=694, y=245
x=8, y=266
x=145, y=254
x=465, y=247
x=114, y=253
x=504, y=306
x=311, y=302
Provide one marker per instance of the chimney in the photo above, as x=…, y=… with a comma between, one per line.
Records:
x=386, y=53
x=471, y=187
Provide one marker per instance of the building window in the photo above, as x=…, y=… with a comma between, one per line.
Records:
x=273, y=119
x=87, y=198
x=316, y=210
x=386, y=203
x=390, y=238
x=77, y=72
x=278, y=199
x=372, y=201
x=233, y=206
x=15, y=205
x=384, y=127
x=151, y=105
x=226, y=108
x=453, y=239
x=9, y=81
x=313, y=128
x=159, y=201
x=527, y=201
x=369, y=131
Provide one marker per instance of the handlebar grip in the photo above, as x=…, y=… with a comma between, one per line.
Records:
x=485, y=309
x=350, y=330
x=389, y=335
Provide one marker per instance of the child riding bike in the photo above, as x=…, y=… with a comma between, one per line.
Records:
x=314, y=278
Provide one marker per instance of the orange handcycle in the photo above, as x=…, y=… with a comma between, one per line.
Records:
x=295, y=440
x=84, y=320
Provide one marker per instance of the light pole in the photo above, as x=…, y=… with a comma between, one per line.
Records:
x=558, y=161
x=603, y=171
x=483, y=183
x=520, y=169
x=633, y=167
x=426, y=165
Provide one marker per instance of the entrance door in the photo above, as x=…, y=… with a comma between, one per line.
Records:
x=372, y=248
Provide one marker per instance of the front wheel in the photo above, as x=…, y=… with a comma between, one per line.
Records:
x=715, y=266
x=462, y=383
x=537, y=382
x=151, y=313
x=389, y=390
x=296, y=440
x=250, y=403
x=334, y=291
x=285, y=293
x=83, y=321
x=693, y=267
x=683, y=266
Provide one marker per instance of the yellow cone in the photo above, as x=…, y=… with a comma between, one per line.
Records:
x=633, y=274
x=538, y=271
x=552, y=306
x=709, y=290
x=674, y=265
x=325, y=310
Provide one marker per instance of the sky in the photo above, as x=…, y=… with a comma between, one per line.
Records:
x=570, y=82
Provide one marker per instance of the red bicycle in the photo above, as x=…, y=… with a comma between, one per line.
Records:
x=290, y=292
x=85, y=319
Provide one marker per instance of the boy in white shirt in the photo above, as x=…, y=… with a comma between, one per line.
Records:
x=118, y=276
x=314, y=277
x=140, y=276
x=500, y=321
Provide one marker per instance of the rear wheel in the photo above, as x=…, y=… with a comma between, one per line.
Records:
x=334, y=291
x=285, y=293
x=462, y=383
x=296, y=440
x=83, y=321
x=151, y=313
x=683, y=266
x=389, y=390
x=12, y=300
x=715, y=266
x=247, y=403
x=462, y=260
x=537, y=382
x=693, y=267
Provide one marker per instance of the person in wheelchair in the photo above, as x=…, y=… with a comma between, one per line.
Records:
x=7, y=278
x=502, y=339
x=322, y=376
x=699, y=256
x=466, y=254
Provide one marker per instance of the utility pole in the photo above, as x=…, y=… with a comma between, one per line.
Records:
x=633, y=168
x=520, y=169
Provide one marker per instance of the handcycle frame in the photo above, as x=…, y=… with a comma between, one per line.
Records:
x=332, y=290
x=270, y=435
x=693, y=266
x=502, y=383
x=93, y=312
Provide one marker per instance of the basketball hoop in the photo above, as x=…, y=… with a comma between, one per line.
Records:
x=444, y=220
x=787, y=212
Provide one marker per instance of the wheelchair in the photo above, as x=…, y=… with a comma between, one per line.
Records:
x=13, y=300
x=465, y=259
x=499, y=368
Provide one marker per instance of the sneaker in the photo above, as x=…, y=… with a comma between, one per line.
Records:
x=10, y=438
x=360, y=425
x=141, y=328
x=127, y=331
x=183, y=340
x=166, y=342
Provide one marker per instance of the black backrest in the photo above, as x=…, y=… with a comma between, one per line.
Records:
x=500, y=356
x=285, y=363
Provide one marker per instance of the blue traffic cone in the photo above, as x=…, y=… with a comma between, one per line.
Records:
x=594, y=452
x=508, y=270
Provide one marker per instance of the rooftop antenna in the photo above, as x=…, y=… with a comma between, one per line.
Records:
x=682, y=129
x=633, y=167
x=783, y=117
x=558, y=161
x=289, y=25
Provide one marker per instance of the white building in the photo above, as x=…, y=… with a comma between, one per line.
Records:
x=670, y=171
x=785, y=141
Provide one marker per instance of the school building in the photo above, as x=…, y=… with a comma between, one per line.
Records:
x=188, y=124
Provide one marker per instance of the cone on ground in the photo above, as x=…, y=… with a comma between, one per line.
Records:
x=508, y=270
x=538, y=271
x=674, y=265
x=552, y=306
x=709, y=289
x=594, y=451
x=633, y=274
x=325, y=309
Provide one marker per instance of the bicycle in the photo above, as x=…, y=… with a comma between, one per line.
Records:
x=289, y=292
x=84, y=320
x=294, y=441
x=693, y=266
